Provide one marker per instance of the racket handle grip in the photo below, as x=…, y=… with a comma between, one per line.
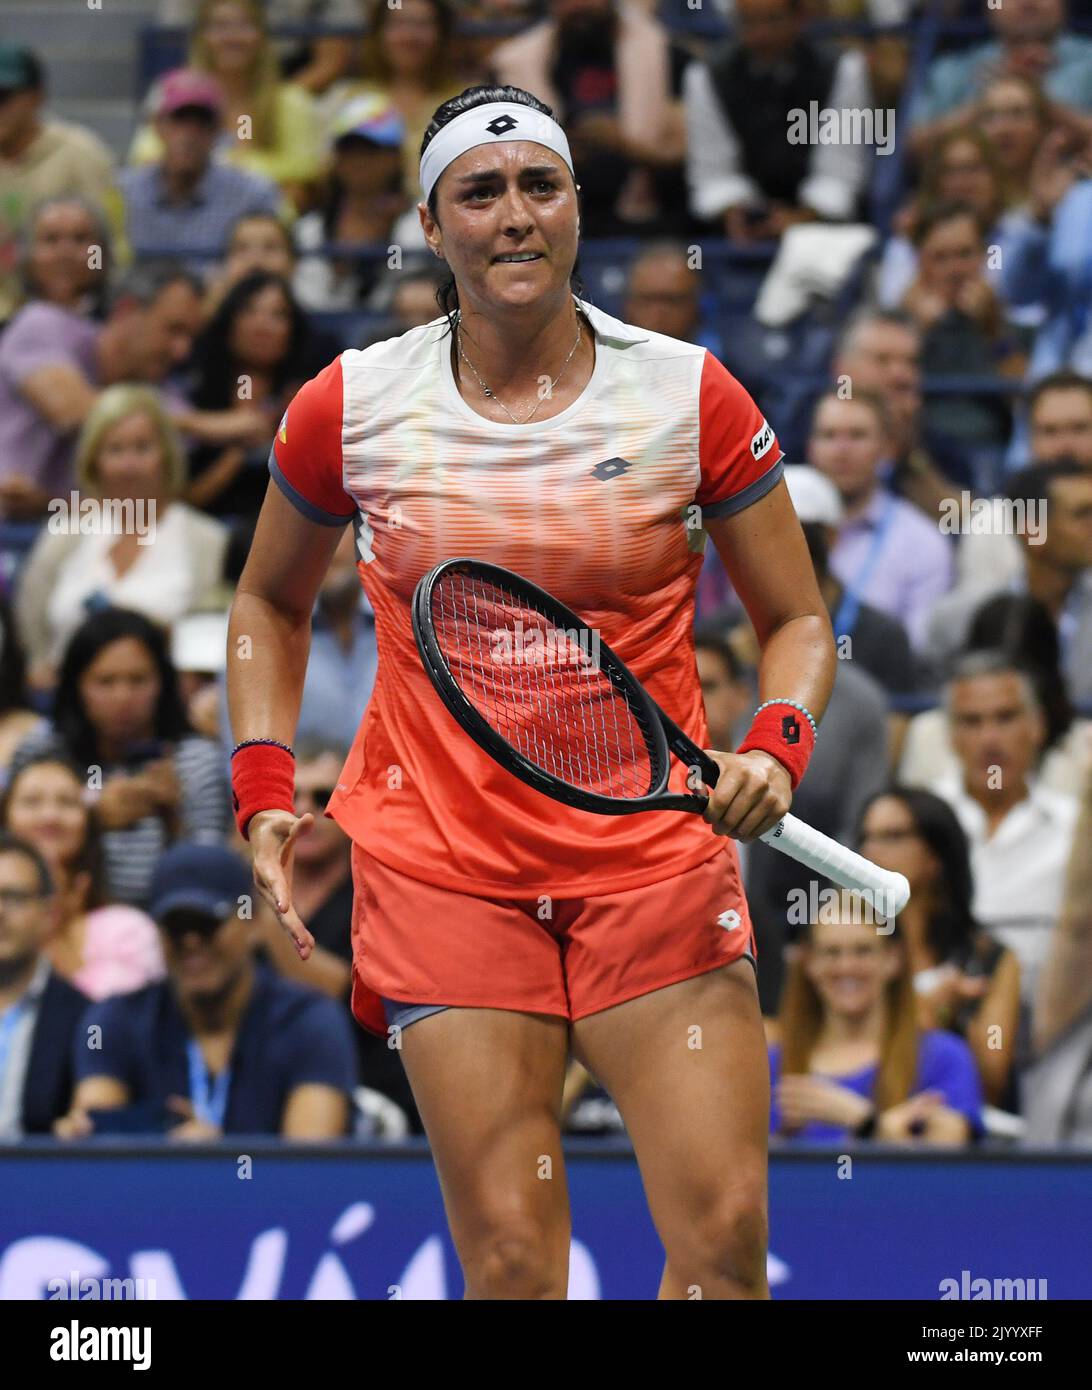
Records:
x=889, y=892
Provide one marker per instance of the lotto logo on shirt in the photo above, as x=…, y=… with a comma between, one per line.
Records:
x=762, y=441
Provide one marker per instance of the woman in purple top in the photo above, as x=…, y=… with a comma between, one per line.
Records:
x=850, y=1059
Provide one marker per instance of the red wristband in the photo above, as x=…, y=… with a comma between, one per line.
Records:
x=784, y=733
x=263, y=778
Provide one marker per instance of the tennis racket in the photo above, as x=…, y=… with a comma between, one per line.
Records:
x=538, y=691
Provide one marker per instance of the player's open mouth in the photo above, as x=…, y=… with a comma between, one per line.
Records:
x=518, y=258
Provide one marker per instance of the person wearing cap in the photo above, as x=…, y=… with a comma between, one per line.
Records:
x=268, y=126
x=40, y=157
x=223, y=1045
x=186, y=201
x=361, y=203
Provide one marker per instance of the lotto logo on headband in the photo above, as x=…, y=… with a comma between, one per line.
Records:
x=501, y=125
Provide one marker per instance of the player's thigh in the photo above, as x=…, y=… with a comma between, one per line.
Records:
x=488, y=1085
x=688, y=1069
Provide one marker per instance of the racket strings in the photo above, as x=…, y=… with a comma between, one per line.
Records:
x=540, y=690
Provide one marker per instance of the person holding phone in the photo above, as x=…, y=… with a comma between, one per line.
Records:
x=119, y=717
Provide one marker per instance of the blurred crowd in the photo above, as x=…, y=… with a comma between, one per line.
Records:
x=913, y=312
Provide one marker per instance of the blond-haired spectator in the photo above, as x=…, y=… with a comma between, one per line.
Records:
x=268, y=126
x=135, y=544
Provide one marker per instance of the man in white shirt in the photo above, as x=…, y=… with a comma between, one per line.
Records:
x=1020, y=833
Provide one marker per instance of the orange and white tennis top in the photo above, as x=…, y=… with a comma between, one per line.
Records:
x=601, y=505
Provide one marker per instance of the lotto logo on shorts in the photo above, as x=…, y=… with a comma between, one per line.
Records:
x=762, y=441
x=729, y=920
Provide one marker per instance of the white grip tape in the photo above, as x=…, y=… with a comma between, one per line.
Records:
x=890, y=892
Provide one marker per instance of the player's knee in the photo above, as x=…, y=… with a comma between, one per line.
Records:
x=725, y=1246
x=519, y=1257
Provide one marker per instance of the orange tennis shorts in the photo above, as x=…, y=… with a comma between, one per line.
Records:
x=425, y=944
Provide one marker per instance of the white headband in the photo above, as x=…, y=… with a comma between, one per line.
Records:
x=499, y=120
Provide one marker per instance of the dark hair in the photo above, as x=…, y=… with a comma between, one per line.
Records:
x=1058, y=381
x=447, y=296
x=815, y=537
x=1031, y=484
x=13, y=691
x=332, y=193
x=12, y=844
x=1022, y=628
x=935, y=214
x=709, y=637
x=89, y=859
x=90, y=638
x=952, y=928
x=216, y=364
x=146, y=281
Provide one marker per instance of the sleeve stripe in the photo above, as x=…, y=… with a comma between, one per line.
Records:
x=301, y=504
x=751, y=493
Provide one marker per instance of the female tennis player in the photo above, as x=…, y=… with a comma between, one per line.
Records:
x=493, y=928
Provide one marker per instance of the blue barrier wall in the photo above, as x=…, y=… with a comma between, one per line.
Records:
x=349, y=1222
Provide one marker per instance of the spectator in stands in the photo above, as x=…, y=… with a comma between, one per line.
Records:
x=1022, y=627
x=53, y=364
x=1031, y=42
x=222, y=1046
x=965, y=981
x=311, y=65
x=147, y=551
x=874, y=640
x=880, y=351
x=117, y=712
x=39, y=1011
x=258, y=241
x=199, y=655
x=101, y=948
x=962, y=322
x=413, y=302
x=725, y=692
x=67, y=258
x=744, y=172
x=663, y=294
x=40, y=158
x=605, y=69
x=1057, y=1086
x=1050, y=260
x=1016, y=117
x=962, y=168
x=1051, y=513
x=848, y=1058
x=253, y=354
x=184, y=202
x=1020, y=833
x=343, y=659
x=17, y=719
x=406, y=59
x=268, y=126
x=362, y=203
x=1059, y=428
x=887, y=554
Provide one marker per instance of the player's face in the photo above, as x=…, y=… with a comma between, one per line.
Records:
x=1061, y=426
x=502, y=200
x=847, y=444
x=849, y=965
x=996, y=732
x=889, y=837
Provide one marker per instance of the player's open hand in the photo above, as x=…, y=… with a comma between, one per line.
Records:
x=752, y=794
x=273, y=836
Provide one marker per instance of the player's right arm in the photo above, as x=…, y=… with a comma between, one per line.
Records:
x=269, y=632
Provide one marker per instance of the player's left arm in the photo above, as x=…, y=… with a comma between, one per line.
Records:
x=767, y=560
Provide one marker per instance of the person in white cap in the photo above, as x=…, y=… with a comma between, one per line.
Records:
x=494, y=930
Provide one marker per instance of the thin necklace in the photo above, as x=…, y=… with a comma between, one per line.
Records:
x=491, y=394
